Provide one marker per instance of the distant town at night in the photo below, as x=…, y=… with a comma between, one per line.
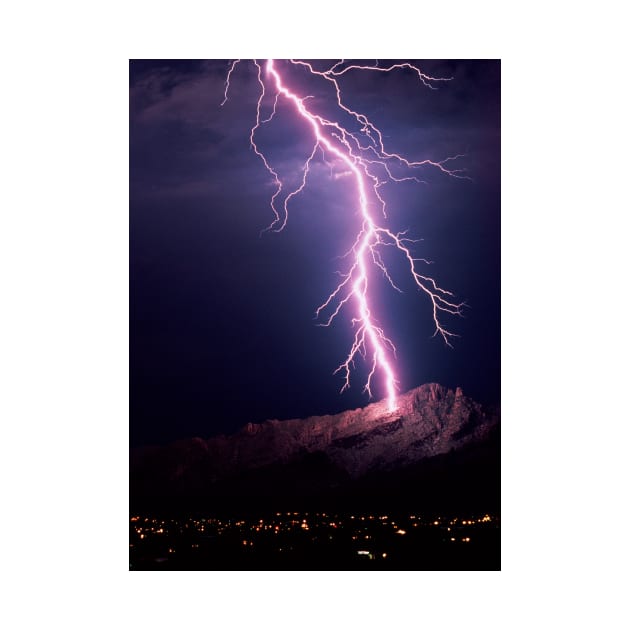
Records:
x=316, y=541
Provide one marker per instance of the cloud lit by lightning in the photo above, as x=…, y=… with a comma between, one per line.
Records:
x=359, y=155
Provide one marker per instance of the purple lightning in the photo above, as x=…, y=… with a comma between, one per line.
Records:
x=363, y=154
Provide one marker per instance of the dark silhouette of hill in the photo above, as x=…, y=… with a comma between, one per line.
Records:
x=439, y=451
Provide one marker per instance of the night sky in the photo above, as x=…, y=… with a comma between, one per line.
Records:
x=222, y=328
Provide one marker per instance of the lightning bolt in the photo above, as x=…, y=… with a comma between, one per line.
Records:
x=362, y=154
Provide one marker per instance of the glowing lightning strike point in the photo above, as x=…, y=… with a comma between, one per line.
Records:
x=352, y=149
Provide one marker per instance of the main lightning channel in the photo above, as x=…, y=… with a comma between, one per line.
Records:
x=353, y=149
x=360, y=285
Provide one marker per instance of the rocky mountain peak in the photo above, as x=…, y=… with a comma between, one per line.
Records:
x=315, y=452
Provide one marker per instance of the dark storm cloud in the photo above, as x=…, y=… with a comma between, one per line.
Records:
x=222, y=328
x=187, y=144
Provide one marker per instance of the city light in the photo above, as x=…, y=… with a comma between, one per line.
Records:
x=185, y=539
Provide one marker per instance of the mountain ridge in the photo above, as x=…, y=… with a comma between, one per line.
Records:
x=316, y=455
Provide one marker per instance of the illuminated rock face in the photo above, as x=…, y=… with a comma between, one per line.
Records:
x=430, y=420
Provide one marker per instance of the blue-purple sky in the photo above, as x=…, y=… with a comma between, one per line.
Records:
x=221, y=327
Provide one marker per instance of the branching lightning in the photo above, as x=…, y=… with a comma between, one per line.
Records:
x=362, y=154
